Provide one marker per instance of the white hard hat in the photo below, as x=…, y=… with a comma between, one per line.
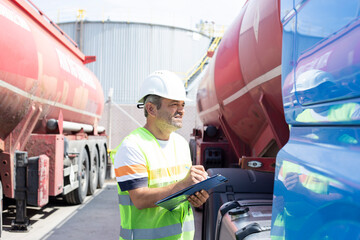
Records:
x=165, y=84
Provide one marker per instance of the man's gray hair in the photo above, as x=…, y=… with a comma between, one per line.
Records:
x=154, y=99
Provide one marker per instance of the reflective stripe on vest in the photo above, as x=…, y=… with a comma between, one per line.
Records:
x=310, y=180
x=278, y=230
x=340, y=112
x=157, y=222
x=154, y=233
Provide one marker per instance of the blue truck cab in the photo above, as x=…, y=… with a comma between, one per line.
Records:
x=317, y=177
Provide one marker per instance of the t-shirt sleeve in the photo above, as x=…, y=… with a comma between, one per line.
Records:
x=130, y=167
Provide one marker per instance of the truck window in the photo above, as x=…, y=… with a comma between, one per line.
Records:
x=315, y=25
x=324, y=72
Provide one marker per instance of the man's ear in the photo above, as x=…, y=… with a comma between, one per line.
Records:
x=150, y=108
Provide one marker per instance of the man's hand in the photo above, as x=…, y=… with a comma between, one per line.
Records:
x=199, y=198
x=291, y=180
x=147, y=197
x=196, y=174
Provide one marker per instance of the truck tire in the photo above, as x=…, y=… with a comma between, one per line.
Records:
x=78, y=195
x=102, y=166
x=93, y=171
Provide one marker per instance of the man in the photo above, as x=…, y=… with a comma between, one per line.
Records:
x=153, y=162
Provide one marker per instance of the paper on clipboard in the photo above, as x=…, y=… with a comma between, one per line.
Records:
x=172, y=201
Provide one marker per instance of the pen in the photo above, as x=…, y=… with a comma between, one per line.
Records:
x=189, y=169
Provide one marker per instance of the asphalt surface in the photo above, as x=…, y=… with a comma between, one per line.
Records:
x=97, y=218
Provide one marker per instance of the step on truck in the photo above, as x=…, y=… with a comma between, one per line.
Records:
x=280, y=107
x=50, y=106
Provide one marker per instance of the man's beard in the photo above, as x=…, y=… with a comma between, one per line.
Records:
x=171, y=121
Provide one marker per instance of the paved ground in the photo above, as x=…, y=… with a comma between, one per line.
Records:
x=97, y=218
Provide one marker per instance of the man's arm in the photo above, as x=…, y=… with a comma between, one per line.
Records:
x=147, y=197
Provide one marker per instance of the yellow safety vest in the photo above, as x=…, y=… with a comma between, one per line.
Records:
x=311, y=181
x=277, y=230
x=157, y=222
x=336, y=113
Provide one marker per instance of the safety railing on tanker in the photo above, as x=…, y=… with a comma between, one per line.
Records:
x=199, y=66
x=52, y=23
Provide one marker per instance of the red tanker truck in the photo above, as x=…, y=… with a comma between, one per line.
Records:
x=239, y=102
x=50, y=105
x=239, y=99
x=280, y=104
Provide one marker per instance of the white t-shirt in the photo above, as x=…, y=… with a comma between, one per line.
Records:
x=130, y=164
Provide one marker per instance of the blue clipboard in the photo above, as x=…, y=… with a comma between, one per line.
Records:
x=172, y=201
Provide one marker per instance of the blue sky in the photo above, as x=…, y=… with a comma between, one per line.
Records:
x=181, y=13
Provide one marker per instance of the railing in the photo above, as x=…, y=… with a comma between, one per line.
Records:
x=200, y=65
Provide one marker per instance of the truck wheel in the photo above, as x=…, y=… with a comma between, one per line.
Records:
x=78, y=195
x=93, y=176
x=102, y=166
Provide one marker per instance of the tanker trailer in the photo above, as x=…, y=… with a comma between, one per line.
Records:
x=50, y=105
x=316, y=187
x=239, y=102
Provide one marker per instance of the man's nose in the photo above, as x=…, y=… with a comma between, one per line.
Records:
x=181, y=110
